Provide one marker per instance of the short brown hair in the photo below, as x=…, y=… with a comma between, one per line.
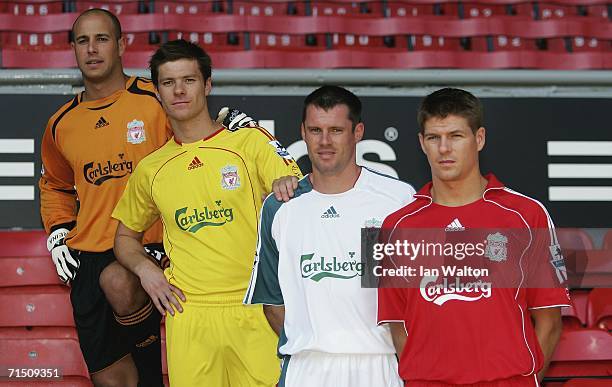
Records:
x=449, y=101
x=176, y=50
x=329, y=96
x=110, y=15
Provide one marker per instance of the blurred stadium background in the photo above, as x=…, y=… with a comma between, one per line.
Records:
x=542, y=69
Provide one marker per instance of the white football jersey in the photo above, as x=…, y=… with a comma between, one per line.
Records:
x=309, y=260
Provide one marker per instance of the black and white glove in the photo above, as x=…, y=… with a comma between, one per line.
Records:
x=157, y=253
x=65, y=264
x=234, y=119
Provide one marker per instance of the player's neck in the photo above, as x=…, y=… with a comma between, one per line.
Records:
x=460, y=192
x=101, y=89
x=194, y=129
x=335, y=183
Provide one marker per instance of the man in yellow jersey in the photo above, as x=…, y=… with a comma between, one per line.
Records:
x=206, y=184
x=90, y=147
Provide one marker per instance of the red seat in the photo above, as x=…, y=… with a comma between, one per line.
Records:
x=43, y=348
x=590, y=382
x=117, y=7
x=24, y=260
x=35, y=40
x=607, y=242
x=22, y=271
x=35, y=306
x=401, y=9
x=598, y=11
x=546, y=11
x=189, y=7
x=67, y=381
x=584, y=352
x=599, y=309
x=574, y=317
x=593, y=268
x=33, y=7
x=23, y=243
x=574, y=239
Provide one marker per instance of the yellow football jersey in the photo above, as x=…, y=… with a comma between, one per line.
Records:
x=209, y=195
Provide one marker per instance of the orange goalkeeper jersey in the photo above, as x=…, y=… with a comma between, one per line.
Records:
x=89, y=150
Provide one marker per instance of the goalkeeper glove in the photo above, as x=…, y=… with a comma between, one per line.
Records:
x=234, y=119
x=65, y=264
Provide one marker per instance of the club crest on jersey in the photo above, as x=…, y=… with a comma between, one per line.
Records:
x=496, y=249
x=373, y=223
x=280, y=150
x=136, y=132
x=229, y=177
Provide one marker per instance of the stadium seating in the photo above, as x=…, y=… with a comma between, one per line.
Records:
x=607, y=241
x=35, y=306
x=575, y=317
x=562, y=34
x=599, y=309
x=574, y=239
x=583, y=352
x=589, y=382
x=590, y=268
x=40, y=347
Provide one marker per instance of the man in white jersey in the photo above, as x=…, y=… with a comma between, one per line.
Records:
x=308, y=268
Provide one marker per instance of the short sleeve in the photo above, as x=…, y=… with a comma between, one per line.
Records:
x=136, y=208
x=547, y=275
x=264, y=287
x=391, y=304
x=272, y=158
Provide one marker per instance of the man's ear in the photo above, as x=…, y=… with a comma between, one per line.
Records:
x=421, y=141
x=480, y=138
x=359, y=130
x=122, y=44
x=208, y=86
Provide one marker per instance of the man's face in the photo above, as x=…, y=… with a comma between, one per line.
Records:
x=330, y=139
x=96, y=48
x=451, y=147
x=182, y=89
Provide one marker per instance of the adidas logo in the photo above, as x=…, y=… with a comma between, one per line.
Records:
x=195, y=163
x=455, y=225
x=330, y=213
x=148, y=341
x=101, y=123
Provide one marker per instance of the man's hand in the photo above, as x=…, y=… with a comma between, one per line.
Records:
x=234, y=119
x=65, y=264
x=284, y=187
x=164, y=296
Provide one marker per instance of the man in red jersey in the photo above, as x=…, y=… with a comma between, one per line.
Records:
x=470, y=333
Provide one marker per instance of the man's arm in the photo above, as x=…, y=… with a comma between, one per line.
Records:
x=58, y=205
x=129, y=252
x=276, y=317
x=548, y=326
x=398, y=333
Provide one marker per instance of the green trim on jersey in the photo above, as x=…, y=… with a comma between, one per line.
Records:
x=264, y=287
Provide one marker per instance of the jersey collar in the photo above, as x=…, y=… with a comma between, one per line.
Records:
x=493, y=183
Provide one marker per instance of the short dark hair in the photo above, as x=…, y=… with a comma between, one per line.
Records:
x=179, y=49
x=328, y=97
x=449, y=101
x=110, y=15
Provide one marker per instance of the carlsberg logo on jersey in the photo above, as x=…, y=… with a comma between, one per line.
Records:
x=97, y=173
x=317, y=268
x=194, y=219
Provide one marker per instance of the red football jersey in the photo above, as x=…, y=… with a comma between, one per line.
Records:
x=476, y=334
